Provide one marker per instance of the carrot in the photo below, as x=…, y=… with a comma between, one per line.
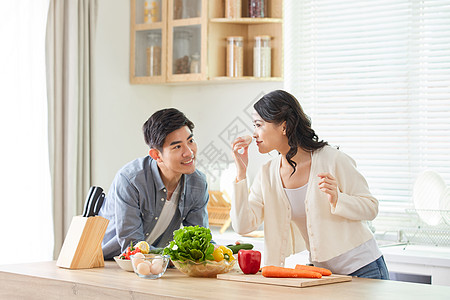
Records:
x=323, y=271
x=280, y=272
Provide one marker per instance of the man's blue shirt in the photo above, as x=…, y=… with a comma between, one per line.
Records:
x=136, y=198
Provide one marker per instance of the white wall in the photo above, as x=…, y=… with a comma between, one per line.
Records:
x=215, y=109
x=119, y=109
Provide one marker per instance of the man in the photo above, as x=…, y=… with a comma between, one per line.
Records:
x=152, y=196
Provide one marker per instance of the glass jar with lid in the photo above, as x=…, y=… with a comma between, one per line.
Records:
x=195, y=63
x=153, y=52
x=152, y=10
x=257, y=8
x=262, y=62
x=181, y=51
x=235, y=56
x=185, y=9
x=233, y=9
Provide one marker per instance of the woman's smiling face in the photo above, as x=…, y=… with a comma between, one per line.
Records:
x=269, y=136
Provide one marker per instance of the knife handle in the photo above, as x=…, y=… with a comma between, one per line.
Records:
x=87, y=201
x=98, y=204
x=94, y=198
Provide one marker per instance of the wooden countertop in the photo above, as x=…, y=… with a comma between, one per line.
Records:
x=44, y=280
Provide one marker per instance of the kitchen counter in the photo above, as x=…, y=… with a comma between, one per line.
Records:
x=44, y=280
x=423, y=261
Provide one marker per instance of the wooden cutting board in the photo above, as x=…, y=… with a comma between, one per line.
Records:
x=291, y=282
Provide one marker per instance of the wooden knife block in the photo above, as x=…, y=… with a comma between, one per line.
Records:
x=82, y=248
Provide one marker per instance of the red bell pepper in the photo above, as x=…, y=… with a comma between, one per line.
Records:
x=249, y=261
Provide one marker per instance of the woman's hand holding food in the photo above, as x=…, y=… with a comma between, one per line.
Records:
x=240, y=155
x=328, y=185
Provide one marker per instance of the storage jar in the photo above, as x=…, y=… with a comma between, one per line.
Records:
x=257, y=8
x=154, y=54
x=235, y=56
x=152, y=11
x=233, y=9
x=181, y=51
x=262, y=61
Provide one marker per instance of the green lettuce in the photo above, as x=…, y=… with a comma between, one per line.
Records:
x=191, y=243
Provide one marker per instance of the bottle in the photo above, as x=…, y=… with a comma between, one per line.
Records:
x=257, y=8
x=233, y=9
x=152, y=11
x=195, y=63
x=262, y=56
x=153, y=54
x=181, y=51
x=235, y=56
x=185, y=9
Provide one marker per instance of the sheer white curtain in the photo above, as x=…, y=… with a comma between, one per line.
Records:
x=26, y=211
x=374, y=76
x=69, y=51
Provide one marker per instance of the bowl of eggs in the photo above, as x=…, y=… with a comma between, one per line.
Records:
x=149, y=266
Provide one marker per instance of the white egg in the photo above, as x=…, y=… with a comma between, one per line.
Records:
x=138, y=258
x=157, y=266
x=144, y=268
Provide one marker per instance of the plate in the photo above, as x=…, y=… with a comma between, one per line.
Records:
x=427, y=193
x=445, y=206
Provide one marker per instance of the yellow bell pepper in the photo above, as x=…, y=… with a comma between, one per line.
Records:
x=222, y=252
x=227, y=253
x=218, y=254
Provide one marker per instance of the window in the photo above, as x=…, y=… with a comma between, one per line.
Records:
x=26, y=214
x=374, y=76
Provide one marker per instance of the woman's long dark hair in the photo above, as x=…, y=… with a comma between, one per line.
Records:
x=279, y=106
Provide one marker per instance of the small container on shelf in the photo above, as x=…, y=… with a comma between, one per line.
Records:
x=195, y=63
x=262, y=56
x=185, y=9
x=153, y=53
x=235, y=56
x=152, y=10
x=181, y=51
x=233, y=9
x=257, y=8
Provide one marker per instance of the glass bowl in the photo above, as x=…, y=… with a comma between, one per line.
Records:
x=149, y=266
x=204, y=269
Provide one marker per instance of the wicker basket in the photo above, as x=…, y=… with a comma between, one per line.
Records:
x=218, y=210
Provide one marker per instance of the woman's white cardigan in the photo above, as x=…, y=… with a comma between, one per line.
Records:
x=331, y=231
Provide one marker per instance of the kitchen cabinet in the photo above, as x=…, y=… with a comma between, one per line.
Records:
x=184, y=41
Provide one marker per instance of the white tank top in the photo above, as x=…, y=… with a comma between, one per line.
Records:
x=298, y=214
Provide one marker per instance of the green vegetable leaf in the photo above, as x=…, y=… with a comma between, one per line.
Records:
x=191, y=243
x=196, y=254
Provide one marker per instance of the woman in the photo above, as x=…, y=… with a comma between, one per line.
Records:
x=310, y=196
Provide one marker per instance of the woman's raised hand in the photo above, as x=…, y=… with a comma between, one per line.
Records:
x=240, y=154
x=328, y=185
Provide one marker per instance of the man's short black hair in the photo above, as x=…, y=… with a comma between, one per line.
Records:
x=162, y=123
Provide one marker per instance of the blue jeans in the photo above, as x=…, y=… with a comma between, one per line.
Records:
x=376, y=270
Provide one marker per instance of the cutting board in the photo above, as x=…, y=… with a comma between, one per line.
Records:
x=291, y=282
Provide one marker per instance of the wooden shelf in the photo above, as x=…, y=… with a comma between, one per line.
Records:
x=246, y=78
x=246, y=21
x=152, y=26
x=187, y=22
